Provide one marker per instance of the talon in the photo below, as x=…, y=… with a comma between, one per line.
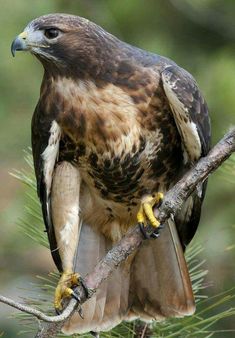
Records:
x=155, y=234
x=58, y=311
x=146, y=215
x=80, y=312
x=85, y=288
x=144, y=231
x=75, y=296
x=64, y=289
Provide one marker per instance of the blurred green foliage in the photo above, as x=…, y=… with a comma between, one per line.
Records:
x=199, y=36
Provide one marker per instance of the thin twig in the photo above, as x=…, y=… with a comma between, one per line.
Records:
x=173, y=201
x=39, y=314
x=144, y=330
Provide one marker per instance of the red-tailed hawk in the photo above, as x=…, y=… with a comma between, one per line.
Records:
x=114, y=128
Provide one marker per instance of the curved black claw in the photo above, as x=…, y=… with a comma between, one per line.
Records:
x=73, y=295
x=78, y=299
x=88, y=293
x=85, y=288
x=58, y=311
x=144, y=231
x=80, y=312
x=156, y=233
x=79, y=308
x=95, y=334
x=76, y=296
x=148, y=232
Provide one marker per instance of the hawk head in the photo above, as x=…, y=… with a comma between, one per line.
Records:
x=66, y=43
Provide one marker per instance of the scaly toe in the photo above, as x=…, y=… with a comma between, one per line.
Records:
x=146, y=216
x=64, y=289
x=75, y=279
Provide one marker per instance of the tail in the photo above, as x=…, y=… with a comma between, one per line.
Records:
x=108, y=306
x=152, y=286
x=160, y=285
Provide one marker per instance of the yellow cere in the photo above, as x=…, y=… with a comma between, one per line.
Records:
x=23, y=35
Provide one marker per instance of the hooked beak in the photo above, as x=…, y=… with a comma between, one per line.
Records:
x=19, y=43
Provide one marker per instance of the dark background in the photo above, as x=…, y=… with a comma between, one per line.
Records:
x=199, y=36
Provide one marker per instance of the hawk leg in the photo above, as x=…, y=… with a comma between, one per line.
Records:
x=65, y=216
x=145, y=215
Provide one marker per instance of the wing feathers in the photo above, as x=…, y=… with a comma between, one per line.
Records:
x=189, y=110
x=45, y=146
x=191, y=116
x=50, y=155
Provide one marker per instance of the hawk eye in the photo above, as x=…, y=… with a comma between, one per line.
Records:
x=51, y=33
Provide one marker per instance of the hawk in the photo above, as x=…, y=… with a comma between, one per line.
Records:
x=114, y=128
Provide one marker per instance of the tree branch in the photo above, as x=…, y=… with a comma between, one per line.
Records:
x=173, y=201
x=39, y=314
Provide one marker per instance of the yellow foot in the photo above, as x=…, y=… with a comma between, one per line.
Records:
x=67, y=281
x=145, y=214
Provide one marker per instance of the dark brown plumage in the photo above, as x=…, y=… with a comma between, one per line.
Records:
x=113, y=124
